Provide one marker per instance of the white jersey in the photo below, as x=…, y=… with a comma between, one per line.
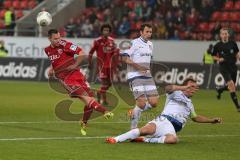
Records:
x=141, y=53
x=178, y=106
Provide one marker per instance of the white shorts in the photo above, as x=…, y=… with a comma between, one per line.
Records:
x=145, y=87
x=163, y=127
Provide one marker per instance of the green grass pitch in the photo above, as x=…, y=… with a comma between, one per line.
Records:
x=30, y=130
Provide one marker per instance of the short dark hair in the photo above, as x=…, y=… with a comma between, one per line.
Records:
x=190, y=79
x=52, y=31
x=224, y=29
x=145, y=25
x=106, y=26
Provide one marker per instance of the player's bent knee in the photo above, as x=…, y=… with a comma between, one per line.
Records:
x=153, y=103
x=171, y=139
x=149, y=129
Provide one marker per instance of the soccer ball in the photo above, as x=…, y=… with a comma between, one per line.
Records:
x=44, y=18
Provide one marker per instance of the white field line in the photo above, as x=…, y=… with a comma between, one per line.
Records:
x=100, y=137
x=59, y=122
x=75, y=122
x=48, y=138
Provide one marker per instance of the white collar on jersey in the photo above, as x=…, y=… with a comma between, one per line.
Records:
x=145, y=41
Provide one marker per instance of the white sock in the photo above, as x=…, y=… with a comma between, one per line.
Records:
x=132, y=134
x=147, y=106
x=155, y=140
x=136, y=114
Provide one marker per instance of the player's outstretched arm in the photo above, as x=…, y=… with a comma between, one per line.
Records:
x=172, y=87
x=128, y=61
x=203, y=119
x=77, y=62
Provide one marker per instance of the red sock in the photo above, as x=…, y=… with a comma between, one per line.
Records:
x=96, y=106
x=87, y=114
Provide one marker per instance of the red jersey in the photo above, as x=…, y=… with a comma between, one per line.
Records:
x=62, y=57
x=106, y=49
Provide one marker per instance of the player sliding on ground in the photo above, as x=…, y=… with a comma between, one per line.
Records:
x=138, y=58
x=178, y=108
x=66, y=69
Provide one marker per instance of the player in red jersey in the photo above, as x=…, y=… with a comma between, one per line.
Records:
x=66, y=69
x=107, y=60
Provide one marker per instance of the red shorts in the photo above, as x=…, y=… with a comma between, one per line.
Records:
x=76, y=85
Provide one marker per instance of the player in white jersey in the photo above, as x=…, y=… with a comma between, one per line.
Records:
x=177, y=110
x=138, y=58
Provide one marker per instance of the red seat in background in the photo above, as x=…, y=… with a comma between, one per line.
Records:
x=7, y=4
x=16, y=4
x=234, y=16
x=32, y=4
x=24, y=4
x=204, y=27
x=19, y=14
x=228, y=5
x=237, y=5
x=131, y=4
x=211, y=26
x=216, y=16
x=2, y=13
x=225, y=16
x=2, y=25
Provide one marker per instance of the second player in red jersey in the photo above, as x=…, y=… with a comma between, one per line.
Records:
x=107, y=60
x=66, y=69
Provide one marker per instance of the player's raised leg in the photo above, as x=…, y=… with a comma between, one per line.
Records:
x=92, y=104
x=66, y=69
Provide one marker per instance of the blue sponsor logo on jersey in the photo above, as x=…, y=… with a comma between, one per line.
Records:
x=145, y=54
x=73, y=47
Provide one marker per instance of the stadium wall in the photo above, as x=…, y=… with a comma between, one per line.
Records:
x=30, y=69
x=167, y=51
